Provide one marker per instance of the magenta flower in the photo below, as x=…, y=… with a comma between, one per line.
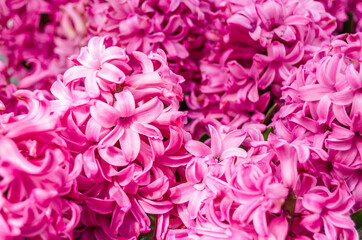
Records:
x=229, y=192
x=147, y=26
x=28, y=33
x=121, y=119
x=95, y=67
x=128, y=122
x=340, y=10
x=323, y=212
x=37, y=172
x=103, y=147
x=322, y=107
x=253, y=46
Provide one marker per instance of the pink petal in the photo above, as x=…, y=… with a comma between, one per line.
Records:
x=146, y=80
x=233, y=152
x=296, y=20
x=162, y=226
x=259, y=221
x=113, y=53
x=130, y=143
x=113, y=156
x=87, y=59
x=296, y=55
x=174, y=161
x=276, y=50
x=357, y=104
x=353, y=77
x=341, y=114
x=323, y=109
x=312, y=222
x=313, y=92
x=145, y=62
x=313, y=202
x=197, y=148
x=155, y=207
x=302, y=152
x=91, y=85
x=96, y=47
x=267, y=78
x=181, y=193
x=125, y=103
x=196, y=171
x=341, y=221
x=104, y=114
x=93, y=130
x=279, y=227
x=175, y=140
x=75, y=73
x=175, y=49
x=60, y=91
x=237, y=70
x=216, y=143
x=100, y=206
x=330, y=230
x=234, y=139
x=113, y=136
x=156, y=189
x=121, y=198
x=288, y=164
x=342, y=98
x=90, y=163
x=195, y=203
x=147, y=130
x=140, y=215
x=111, y=73
x=117, y=219
x=149, y=111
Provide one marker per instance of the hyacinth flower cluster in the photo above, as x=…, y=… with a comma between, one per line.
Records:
x=53, y=32
x=37, y=37
x=121, y=120
x=256, y=192
x=230, y=192
x=254, y=47
x=323, y=104
x=186, y=119
x=37, y=171
x=347, y=12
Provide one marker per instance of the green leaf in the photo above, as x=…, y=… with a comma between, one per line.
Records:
x=349, y=24
x=151, y=234
x=243, y=147
x=270, y=113
x=267, y=132
x=289, y=207
x=204, y=137
x=357, y=218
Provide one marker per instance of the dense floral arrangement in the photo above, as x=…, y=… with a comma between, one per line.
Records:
x=182, y=119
